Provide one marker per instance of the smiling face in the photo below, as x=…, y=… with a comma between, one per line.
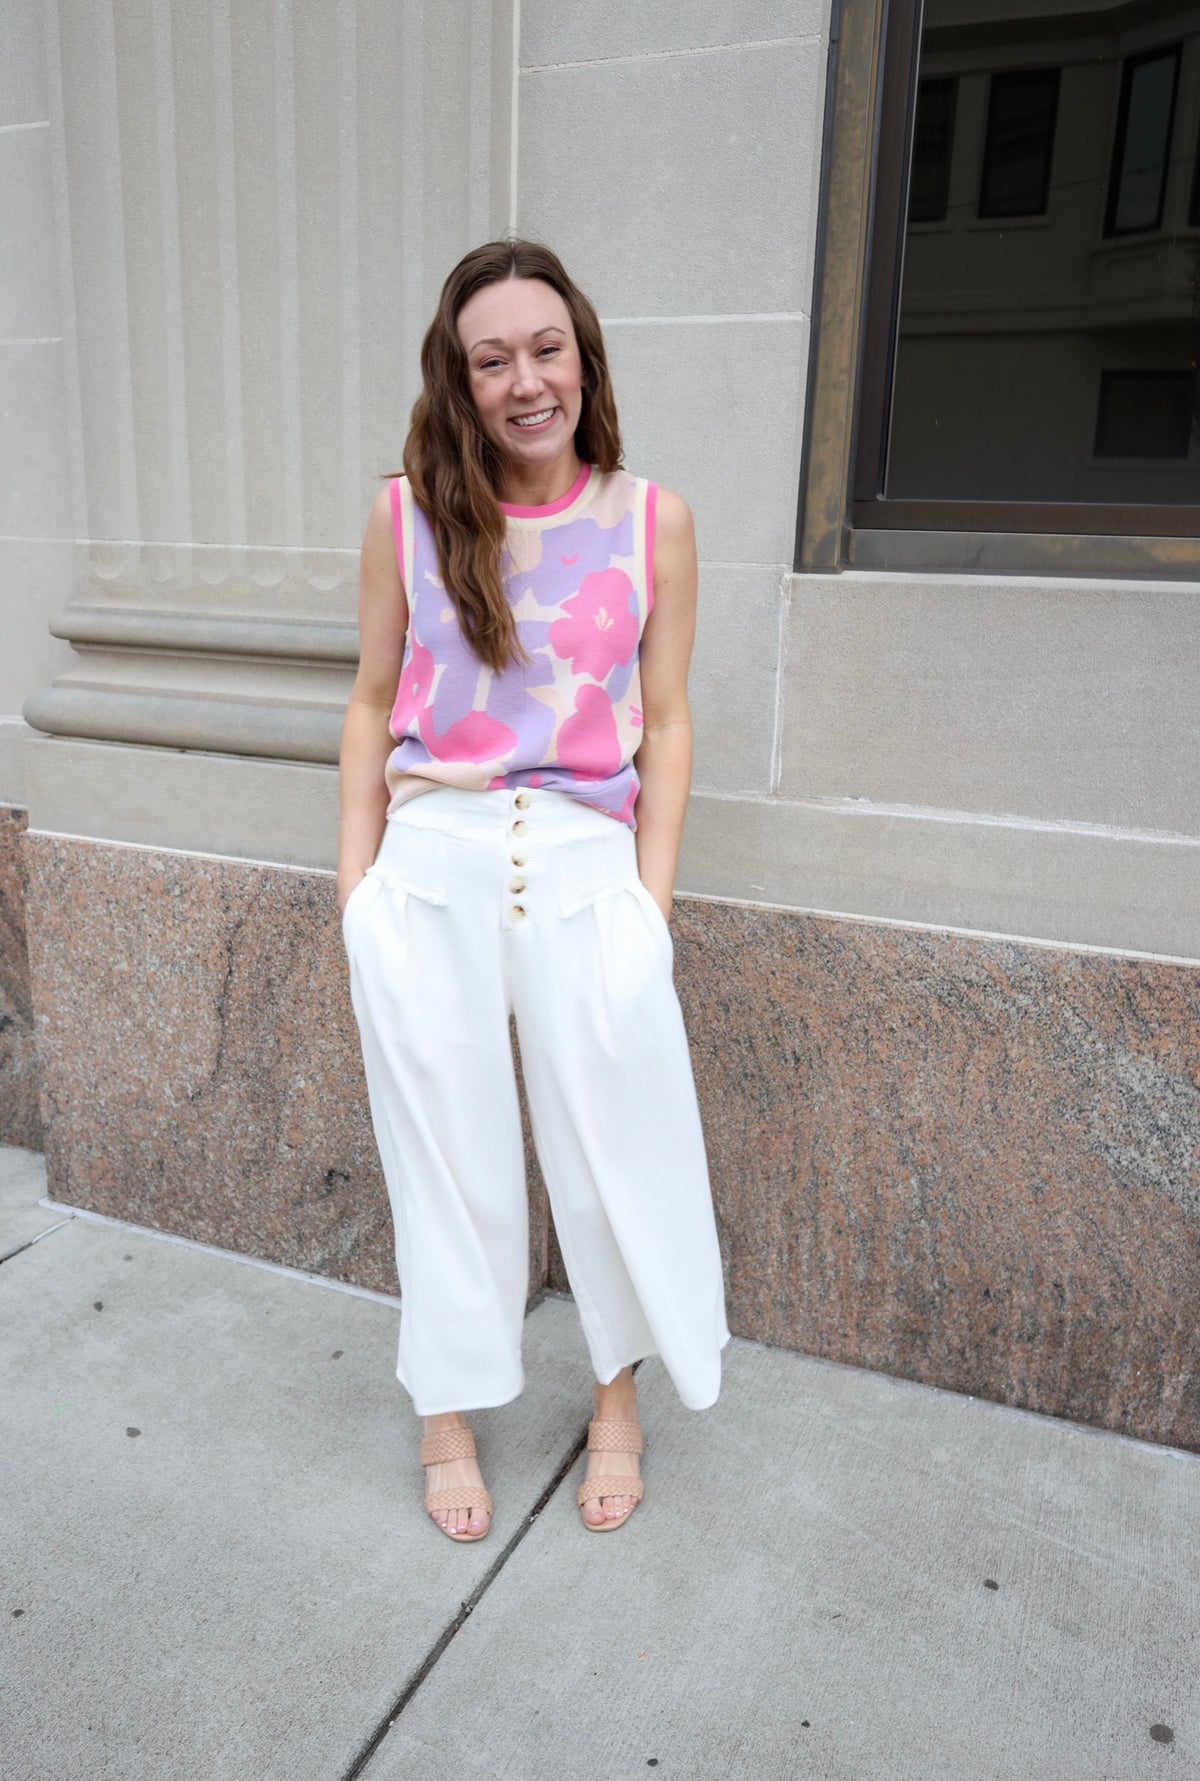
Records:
x=525, y=373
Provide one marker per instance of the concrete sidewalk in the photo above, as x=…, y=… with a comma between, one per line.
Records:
x=216, y=1564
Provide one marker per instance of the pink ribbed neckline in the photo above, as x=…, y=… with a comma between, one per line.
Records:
x=564, y=501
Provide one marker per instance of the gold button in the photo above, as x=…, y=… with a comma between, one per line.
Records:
x=523, y=800
x=517, y=886
x=518, y=913
x=518, y=859
x=519, y=828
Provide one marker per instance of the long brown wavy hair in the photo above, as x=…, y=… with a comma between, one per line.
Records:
x=452, y=466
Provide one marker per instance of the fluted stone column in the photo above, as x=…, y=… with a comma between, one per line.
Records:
x=257, y=204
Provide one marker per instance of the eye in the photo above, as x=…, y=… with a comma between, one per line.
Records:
x=489, y=364
x=547, y=349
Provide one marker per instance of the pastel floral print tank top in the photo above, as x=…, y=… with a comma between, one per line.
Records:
x=579, y=576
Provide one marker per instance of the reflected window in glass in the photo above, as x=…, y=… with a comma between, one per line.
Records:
x=1142, y=151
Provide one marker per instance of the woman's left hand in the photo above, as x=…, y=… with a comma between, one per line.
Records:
x=665, y=902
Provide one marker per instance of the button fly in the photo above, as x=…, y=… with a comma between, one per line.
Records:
x=523, y=800
x=519, y=827
x=518, y=912
x=517, y=886
x=518, y=859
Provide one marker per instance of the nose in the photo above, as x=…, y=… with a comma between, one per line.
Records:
x=528, y=380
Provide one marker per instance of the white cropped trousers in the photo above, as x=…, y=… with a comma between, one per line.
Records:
x=486, y=904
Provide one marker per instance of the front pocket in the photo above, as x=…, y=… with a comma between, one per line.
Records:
x=590, y=870
x=363, y=894
x=656, y=918
x=413, y=859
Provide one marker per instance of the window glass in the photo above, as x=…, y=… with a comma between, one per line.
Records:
x=933, y=135
x=1039, y=358
x=1019, y=143
x=1139, y=172
x=1144, y=414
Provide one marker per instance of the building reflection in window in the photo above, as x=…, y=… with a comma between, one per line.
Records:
x=1050, y=303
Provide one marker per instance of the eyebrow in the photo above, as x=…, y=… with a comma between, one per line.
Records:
x=536, y=335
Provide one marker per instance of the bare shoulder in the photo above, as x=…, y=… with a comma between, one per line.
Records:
x=378, y=545
x=379, y=520
x=674, y=547
x=674, y=522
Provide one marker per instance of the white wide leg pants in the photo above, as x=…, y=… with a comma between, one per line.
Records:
x=479, y=905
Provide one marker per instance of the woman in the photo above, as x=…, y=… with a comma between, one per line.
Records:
x=519, y=716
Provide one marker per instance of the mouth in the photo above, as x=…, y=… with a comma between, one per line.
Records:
x=533, y=423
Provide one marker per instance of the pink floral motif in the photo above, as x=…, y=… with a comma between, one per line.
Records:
x=635, y=716
x=588, y=744
x=599, y=632
x=475, y=737
x=415, y=690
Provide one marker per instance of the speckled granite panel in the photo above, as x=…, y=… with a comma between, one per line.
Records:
x=20, y=1117
x=202, y=1071
x=961, y=1160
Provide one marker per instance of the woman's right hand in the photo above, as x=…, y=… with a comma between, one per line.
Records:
x=366, y=738
x=347, y=884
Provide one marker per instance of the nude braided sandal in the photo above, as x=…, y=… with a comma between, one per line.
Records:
x=436, y=1450
x=611, y=1437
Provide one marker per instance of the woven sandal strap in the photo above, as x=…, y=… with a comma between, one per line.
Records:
x=594, y=1488
x=459, y=1496
x=447, y=1444
x=614, y=1437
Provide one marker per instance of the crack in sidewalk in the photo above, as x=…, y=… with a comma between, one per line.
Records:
x=467, y=1608
x=20, y=1248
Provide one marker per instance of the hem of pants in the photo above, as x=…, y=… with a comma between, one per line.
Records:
x=688, y=1403
x=439, y=1409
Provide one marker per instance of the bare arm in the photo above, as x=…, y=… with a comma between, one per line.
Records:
x=664, y=760
x=366, y=739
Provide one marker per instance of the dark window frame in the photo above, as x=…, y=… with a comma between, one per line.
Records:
x=844, y=519
x=1128, y=69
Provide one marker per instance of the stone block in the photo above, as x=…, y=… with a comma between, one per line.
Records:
x=714, y=410
x=734, y=677
x=1077, y=886
x=720, y=219
x=1047, y=700
x=608, y=29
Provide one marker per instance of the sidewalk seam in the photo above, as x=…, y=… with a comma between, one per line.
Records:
x=29, y=1243
x=467, y=1608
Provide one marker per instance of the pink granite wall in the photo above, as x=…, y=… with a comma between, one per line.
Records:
x=201, y=1064
x=20, y=1118
x=967, y=1161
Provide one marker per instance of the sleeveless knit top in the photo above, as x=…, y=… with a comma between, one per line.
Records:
x=579, y=577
